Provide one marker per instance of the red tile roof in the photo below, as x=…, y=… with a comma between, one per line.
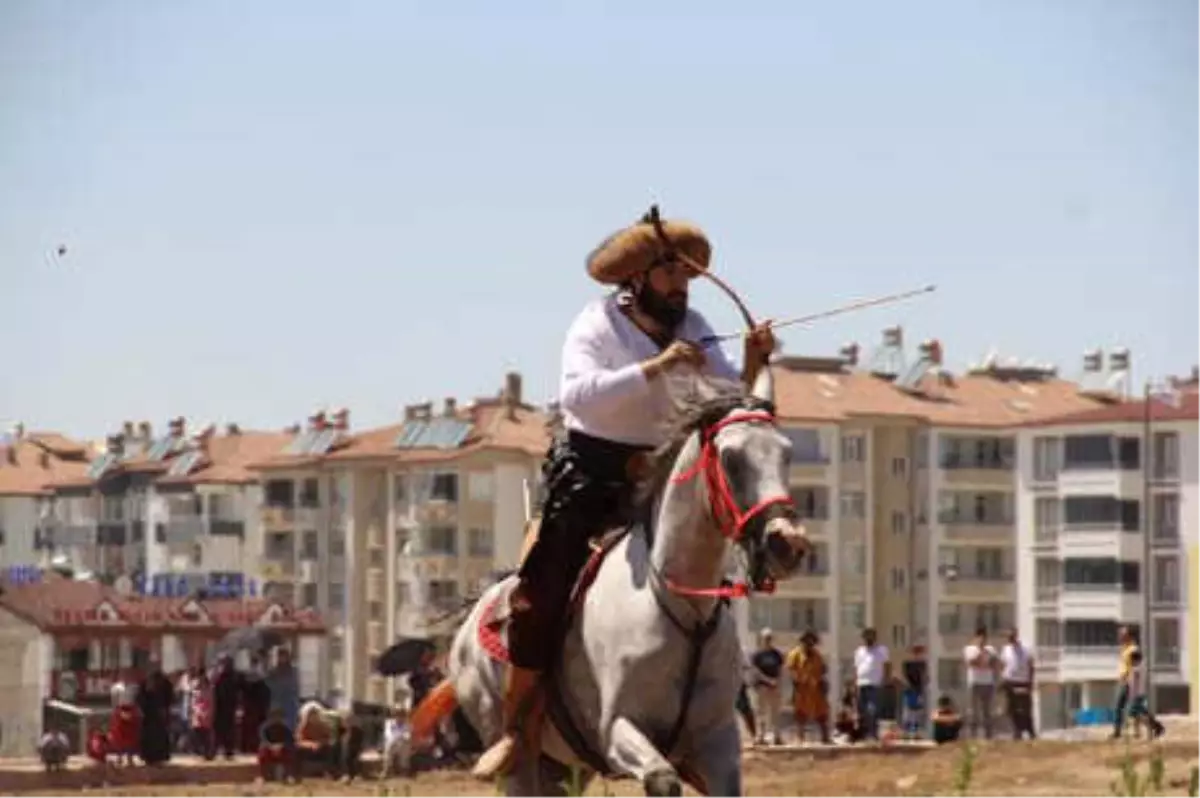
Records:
x=34, y=463
x=59, y=604
x=1129, y=412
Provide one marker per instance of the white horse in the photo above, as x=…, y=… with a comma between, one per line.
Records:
x=651, y=661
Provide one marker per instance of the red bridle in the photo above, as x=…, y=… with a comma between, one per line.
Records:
x=724, y=507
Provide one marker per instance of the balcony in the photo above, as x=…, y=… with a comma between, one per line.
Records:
x=968, y=528
x=1107, y=480
x=803, y=585
x=111, y=533
x=967, y=587
x=437, y=511
x=969, y=472
x=810, y=467
x=227, y=527
x=180, y=529
x=277, y=567
x=1099, y=541
x=1101, y=602
x=815, y=527
x=1081, y=663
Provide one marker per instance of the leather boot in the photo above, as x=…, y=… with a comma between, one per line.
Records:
x=520, y=700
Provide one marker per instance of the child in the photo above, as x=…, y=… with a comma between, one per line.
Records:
x=947, y=723
x=397, y=744
x=201, y=721
x=846, y=725
x=124, y=729
x=276, y=747
x=54, y=749
x=1139, y=707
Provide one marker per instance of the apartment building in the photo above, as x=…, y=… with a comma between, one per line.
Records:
x=1091, y=486
x=387, y=531
x=164, y=515
x=905, y=475
x=30, y=463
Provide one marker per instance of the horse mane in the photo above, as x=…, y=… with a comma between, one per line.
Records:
x=694, y=415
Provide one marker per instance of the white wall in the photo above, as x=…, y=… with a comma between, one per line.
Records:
x=18, y=519
x=22, y=677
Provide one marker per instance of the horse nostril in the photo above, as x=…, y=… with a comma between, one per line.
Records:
x=787, y=541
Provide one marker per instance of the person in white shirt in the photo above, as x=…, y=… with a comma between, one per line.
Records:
x=397, y=744
x=1016, y=678
x=615, y=406
x=982, y=664
x=872, y=670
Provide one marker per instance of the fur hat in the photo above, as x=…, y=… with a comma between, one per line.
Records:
x=635, y=249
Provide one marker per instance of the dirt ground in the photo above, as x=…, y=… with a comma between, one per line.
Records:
x=1000, y=768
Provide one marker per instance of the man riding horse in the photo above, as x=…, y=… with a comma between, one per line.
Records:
x=615, y=406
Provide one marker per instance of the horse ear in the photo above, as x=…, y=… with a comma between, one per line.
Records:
x=764, y=385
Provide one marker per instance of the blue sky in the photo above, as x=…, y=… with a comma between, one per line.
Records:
x=270, y=206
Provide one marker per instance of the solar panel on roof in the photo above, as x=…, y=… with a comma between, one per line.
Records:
x=321, y=441
x=161, y=448
x=911, y=379
x=300, y=443
x=409, y=433
x=183, y=465
x=100, y=465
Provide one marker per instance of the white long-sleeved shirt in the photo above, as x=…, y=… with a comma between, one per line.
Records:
x=603, y=391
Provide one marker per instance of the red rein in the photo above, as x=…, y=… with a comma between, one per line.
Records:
x=731, y=518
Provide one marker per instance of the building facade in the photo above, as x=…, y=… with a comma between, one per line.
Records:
x=1092, y=487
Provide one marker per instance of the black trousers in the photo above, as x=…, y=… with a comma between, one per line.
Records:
x=588, y=491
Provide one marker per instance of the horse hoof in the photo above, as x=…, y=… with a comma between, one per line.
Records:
x=664, y=782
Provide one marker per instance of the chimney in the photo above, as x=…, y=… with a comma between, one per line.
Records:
x=424, y=410
x=177, y=427
x=232, y=429
x=129, y=431
x=849, y=354
x=893, y=336
x=1118, y=359
x=410, y=412
x=10, y=454
x=206, y=432
x=1093, y=361
x=512, y=388
x=294, y=429
x=115, y=444
x=317, y=420
x=145, y=431
x=449, y=407
x=341, y=419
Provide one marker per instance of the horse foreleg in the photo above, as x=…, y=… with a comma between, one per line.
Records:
x=717, y=760
x=630, y=751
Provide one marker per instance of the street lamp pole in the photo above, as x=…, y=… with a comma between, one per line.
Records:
x=1147, y=528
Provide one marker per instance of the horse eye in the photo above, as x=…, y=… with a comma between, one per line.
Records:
x=734, y=467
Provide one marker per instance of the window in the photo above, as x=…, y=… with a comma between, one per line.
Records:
x=1047, y=575
x=375, y=610
x=811, y=502
x=854, y=504
x=854, y=614
x=335, y=648
x=988, y=452
x=337, y=546
x=310, y=493
x=1166, y=580
x=308, y=595
x=804, y=614
x=1101, y=512
x=922, y=445
x=308, y=546
x=403, y=594
x=899, y=466
x=855, y=555
x=337, y=596
x=994, y=617
x=816, y=562
x=899, y=635
x=899, y=579
x=1090, y=634
x=444, y=593
x=197, y=555
x=899, y=523
x=400, y=488
x=853, y=448
x=1166, y=517
x=1100, y=573
x=950, y=619
x=375, y=558
x=1165, y=642
x=279, y=493
x=985, y=508
x=479, y=542
x=480, y=485
x=1047, y=633
x=950, y=674
x=1088, y=451
x=1166, y=455
x=441, y=540
x=989, y=564
x=806, y=445
x=1047, y=513
x=444, y=487
x=1047, y=459
x=949, y=562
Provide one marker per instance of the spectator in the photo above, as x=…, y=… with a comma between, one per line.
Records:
x=810, y=685
x=766, y=666
x=1016, y=677
x=982, y=663
x=1131, y=687
x=847, y=726
x=946, y=721
x=54, y=750
x=256, y=700
x=155, y=697
x=283, y=685
x=350, y=743
x=872, y=670
x=225, y=701
x=276, y=748
x=200, y=722
x=315, y=738
x=397, y=744
x=916, y=672
x=123, y=732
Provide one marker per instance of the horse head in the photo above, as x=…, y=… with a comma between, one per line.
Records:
x=743, y=462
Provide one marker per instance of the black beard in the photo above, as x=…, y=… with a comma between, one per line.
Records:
x=667, y=312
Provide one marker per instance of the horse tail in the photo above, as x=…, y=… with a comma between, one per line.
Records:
x=439, y=703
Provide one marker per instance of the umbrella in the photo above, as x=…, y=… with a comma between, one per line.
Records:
x=404, y=656
x=249, y=638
